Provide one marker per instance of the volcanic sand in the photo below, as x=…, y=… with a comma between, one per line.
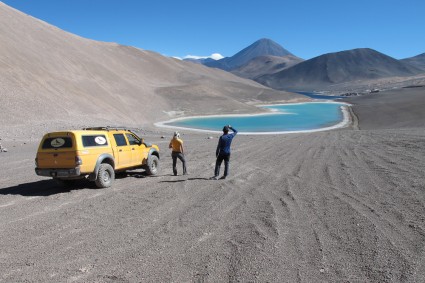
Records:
x=340, y=206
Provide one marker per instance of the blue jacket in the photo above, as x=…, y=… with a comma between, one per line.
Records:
x=224, y=142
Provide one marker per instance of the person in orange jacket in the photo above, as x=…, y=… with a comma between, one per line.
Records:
x=176, y=145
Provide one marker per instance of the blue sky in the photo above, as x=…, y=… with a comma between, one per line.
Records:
x=196, y=27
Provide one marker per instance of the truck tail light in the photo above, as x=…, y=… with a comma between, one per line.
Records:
x=78, y=160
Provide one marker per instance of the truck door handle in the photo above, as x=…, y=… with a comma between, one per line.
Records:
x=132, y=148
x=120, y=150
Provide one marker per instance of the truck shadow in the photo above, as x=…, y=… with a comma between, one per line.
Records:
x=134, y=174
x=50, y=187
x=45, y=188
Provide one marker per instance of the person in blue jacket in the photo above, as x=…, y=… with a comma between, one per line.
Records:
x=223, y=152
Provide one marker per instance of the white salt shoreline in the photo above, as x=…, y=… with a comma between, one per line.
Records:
x=344, y=123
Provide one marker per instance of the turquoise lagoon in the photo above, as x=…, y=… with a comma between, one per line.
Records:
x=283, y=118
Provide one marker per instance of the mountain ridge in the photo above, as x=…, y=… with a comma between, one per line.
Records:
x=338, y=67
x=260, y=47
x=417, y=61
x=265, y=65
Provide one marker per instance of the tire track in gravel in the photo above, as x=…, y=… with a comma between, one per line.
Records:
x=324, y=218
x=211, y=217
x=308, y=205
x=252, y=216
x=398, y=241
x=297, y=236
x=322, y=207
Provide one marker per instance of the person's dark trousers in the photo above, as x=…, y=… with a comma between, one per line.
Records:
x=220, y=158
x=180, y=156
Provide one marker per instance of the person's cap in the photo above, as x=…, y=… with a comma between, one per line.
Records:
x=225, y=128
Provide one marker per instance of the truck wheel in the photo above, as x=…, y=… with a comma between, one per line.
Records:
x=152, y=166
x=105, y=176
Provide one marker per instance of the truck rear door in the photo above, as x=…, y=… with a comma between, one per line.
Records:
x=57, y=152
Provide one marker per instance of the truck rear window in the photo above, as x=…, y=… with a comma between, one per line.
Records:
x=58, y=142
x=94, y=140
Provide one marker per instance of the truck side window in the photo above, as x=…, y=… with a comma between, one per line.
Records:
x=120, y=140
x=131, y=139
x=94, y=140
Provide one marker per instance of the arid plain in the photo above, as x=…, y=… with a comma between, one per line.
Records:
x=344, y=205
x=340, y=206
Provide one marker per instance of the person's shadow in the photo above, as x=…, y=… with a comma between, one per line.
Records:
x=182, y=180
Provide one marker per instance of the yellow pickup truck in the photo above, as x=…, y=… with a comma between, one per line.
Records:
x=94, y=153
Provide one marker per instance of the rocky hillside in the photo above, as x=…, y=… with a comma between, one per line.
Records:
x=339, y=67
x=266, y=65
x=417, y=61
x=50, y=76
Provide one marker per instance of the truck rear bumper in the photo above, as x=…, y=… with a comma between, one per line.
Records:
x=59, y=173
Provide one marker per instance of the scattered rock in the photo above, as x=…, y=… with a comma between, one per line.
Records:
x=350, y=94
x=2, y=149
x=210, y=138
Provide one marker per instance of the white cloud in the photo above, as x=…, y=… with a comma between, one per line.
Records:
x=215, y=56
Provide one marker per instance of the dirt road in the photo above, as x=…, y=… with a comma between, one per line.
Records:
x=323, y=207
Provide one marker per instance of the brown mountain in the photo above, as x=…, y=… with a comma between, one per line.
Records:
x=340, y=67
x=49, y=76
x=261, y=47
x=266, y=65
x=417, y=61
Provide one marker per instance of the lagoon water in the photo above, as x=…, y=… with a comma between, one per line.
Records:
x=283, y=118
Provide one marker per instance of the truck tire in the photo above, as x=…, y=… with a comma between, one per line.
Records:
x=105, y=176
x=152, y=166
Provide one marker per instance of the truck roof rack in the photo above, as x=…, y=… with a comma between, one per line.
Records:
x=106, y=128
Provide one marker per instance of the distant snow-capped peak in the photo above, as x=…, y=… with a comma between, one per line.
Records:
x=214, y=56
